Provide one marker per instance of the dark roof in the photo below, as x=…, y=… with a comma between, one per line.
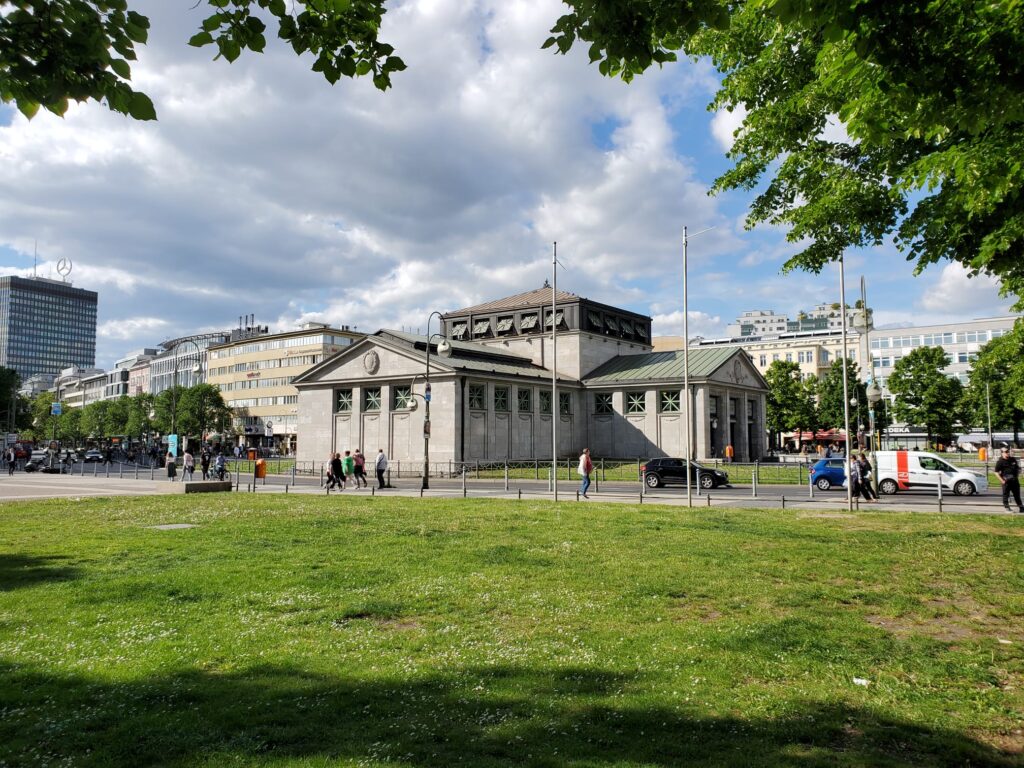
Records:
x=657, y=366
x=536, y=297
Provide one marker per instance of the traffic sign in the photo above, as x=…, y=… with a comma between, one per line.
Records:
x=55, y=408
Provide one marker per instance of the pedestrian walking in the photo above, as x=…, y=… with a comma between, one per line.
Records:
x=220, y=466
x=348, y=466
x=1008, y=471
x=381, y=465
x=188, y=465
x=360, y=468
x=866, y=471
x=172, y=467
x=856, y=480
x=337, y=473
x=204, y=462
x=11, y=457
x=585, y=467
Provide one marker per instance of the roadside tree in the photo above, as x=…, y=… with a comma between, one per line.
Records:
x=925, y=395
x=997, y=383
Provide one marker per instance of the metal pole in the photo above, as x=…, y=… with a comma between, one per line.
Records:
x=554, y=370
x=846, y=388
x=686, y=373
x=988, y=408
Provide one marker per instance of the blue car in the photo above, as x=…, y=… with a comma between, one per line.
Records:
x=826, y=473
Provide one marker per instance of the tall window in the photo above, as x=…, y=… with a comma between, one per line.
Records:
x=342, y=400
x=371, y=399
x=401, y=397
x=501, y=404
x=544, y=400
x=565, y=403
x=603, y=403
x=636, y=402
x=524, y=400
x=478, y=397
x=668, y=401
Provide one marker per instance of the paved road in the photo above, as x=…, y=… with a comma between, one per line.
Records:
x=123, y=482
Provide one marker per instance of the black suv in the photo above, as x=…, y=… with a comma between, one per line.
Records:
x=658, y=472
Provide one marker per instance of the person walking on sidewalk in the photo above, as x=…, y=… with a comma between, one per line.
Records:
x=335, y=476
x=360, y=475
x=381, y=465
x=585, y=468
x=348, y=465
x=1008, y=471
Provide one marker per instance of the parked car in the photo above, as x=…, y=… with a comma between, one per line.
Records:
x=92, y=456
x=659, y=472
x=826, y=473
x=906, y=470
x=39, y=456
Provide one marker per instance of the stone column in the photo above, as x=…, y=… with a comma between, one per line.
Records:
x=743, y=449
x=701, y=423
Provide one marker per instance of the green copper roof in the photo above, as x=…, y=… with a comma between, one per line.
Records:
x=659, y=366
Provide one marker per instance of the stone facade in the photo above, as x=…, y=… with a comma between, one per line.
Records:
x=493, y=401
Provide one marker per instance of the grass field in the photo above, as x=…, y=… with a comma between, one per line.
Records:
x=312, y=631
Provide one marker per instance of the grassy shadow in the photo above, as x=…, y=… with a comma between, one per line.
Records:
x=18, y=571
x=479, y=716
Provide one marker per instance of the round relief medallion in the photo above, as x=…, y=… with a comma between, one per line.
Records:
x=371, y=362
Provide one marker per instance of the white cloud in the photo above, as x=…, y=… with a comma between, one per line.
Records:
x=725, y=123
x=956, y=292
x=700, y=324
x=131, y=327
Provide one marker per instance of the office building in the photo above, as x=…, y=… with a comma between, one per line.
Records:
x=254, y=370
x=45, y=326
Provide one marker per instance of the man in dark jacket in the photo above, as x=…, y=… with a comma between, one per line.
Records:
x=1008, y=471
x=337, y=473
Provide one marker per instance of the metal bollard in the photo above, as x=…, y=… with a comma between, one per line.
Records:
x=464, y=482
x=506, y=477
x=293, y=474
x=107, y=468
x=754, y=478
x=373, y=490
x=709, y=500
x=136, y=471
x=597, y=481
x=641, y=497
x=810, y=487
x=95, y=469
x=577, y=494
x=520, y=494
x=152, y=471
x=321, y=475
x=120, y=471
x=421, y=493
x=783, y=501
x=286, y=487
x=939, y=478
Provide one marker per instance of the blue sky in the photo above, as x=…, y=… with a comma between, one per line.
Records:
x=262, y=189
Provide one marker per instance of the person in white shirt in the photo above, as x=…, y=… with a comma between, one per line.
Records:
x=381, y=465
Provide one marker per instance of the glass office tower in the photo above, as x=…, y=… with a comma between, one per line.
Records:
x=46, y=326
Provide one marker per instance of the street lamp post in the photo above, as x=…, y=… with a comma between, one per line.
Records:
x=687, y=420
x=444, y=349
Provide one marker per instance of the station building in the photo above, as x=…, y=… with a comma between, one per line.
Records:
x=493, y=398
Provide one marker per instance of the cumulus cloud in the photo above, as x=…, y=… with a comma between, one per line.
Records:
x=725, y=123
x=700, y=324
x=955, y=291
x=131, y=327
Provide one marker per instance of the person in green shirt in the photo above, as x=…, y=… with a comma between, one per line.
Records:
x=348, y=466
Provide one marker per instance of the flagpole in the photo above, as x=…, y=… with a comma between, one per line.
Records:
x=554, y=372
x=846, y=388
x=686, y=371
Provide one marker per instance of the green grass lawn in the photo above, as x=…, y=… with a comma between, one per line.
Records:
x=313, y=631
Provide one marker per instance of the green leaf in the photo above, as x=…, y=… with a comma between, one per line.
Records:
x=121, y=68
x=257, y=43
x=211, y=23
x=229, y=48
x=363, y=68
x=28, y=108
x=548, y=43
x=200, y=39
x=141, y=107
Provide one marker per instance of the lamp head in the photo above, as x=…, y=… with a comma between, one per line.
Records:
x=413, y=404
x=874, y=392
x=444, y=348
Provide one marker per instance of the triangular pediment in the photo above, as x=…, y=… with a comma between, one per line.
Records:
x=737, y=370
x=370, y=359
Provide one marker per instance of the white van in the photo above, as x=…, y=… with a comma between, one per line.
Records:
x=904, y=470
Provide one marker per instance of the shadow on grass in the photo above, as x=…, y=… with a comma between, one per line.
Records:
x=506, y=716
x=17, y=571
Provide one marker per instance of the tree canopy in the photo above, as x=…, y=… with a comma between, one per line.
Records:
x=931, y=97
x=55, y=51
x=924, y=394
x=997, y=383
